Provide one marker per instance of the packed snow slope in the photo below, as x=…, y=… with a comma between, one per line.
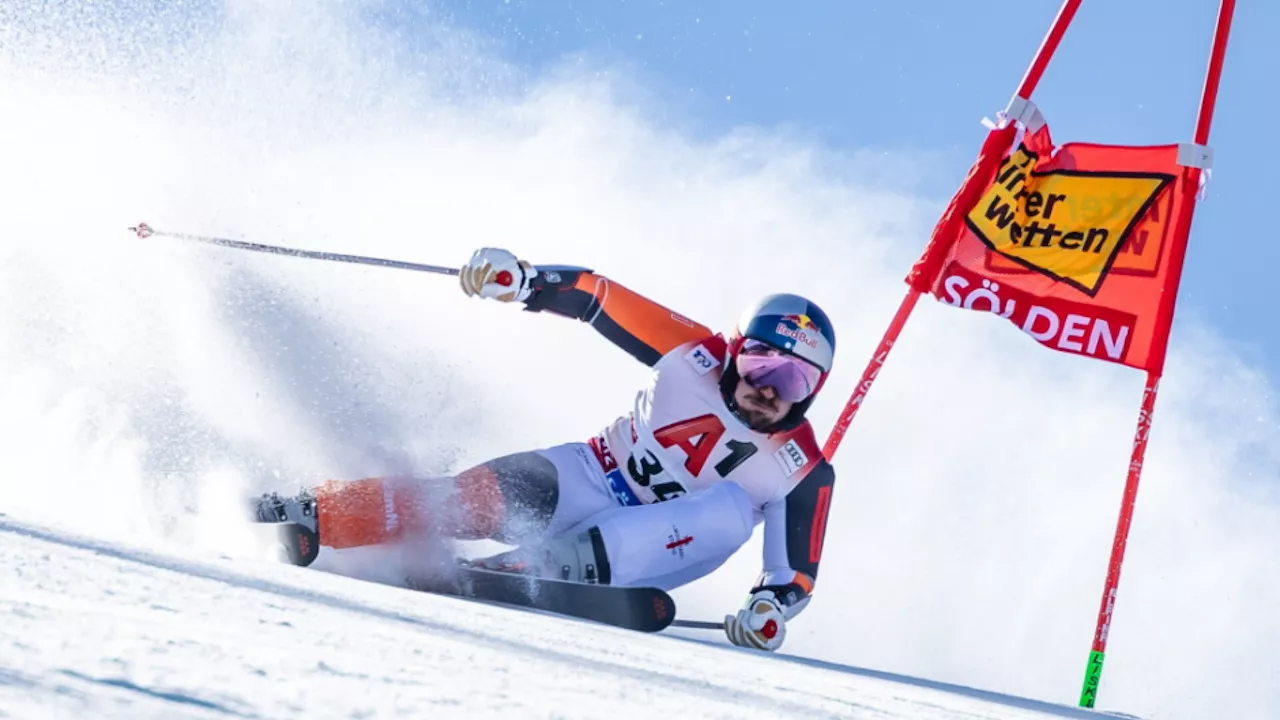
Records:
x=147, y=387
x=105, y=630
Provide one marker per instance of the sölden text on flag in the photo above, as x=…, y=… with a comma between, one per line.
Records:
x=1074, y=245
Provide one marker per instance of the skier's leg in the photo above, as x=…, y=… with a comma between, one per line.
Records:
x=510, y=498
x=547, y=548
x=669, y=544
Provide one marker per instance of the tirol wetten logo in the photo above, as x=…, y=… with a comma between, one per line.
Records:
x=1066, y=224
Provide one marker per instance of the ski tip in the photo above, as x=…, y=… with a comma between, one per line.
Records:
x=291, y=542
x=301, y=542
x=664, y=610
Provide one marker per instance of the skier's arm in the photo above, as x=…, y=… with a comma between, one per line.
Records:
x=794, y=530
x=631, y=321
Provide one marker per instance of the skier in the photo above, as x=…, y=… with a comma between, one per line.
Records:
x=717, y=442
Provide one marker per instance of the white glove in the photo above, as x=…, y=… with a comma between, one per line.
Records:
x=760, y=623
x=497, y=274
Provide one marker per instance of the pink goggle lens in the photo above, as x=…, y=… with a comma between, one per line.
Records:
x=763, y=365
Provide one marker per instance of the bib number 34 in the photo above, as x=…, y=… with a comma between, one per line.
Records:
x=697, y=437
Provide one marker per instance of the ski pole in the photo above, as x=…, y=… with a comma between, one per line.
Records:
x=698, y=624
x=144, y=231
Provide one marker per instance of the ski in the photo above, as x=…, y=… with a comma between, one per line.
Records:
x=644, y=609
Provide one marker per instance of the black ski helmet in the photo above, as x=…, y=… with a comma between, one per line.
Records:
x=794, y=325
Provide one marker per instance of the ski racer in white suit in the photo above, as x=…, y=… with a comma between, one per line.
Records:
x=716, y=443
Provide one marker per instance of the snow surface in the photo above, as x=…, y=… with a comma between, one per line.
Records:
x=96, y=629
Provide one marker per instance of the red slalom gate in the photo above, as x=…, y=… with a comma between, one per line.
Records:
x=1106, y=291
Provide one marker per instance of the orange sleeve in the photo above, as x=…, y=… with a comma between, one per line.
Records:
x=631, y=321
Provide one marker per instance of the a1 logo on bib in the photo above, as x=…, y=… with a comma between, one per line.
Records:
x=701, y=360
x=791, y=458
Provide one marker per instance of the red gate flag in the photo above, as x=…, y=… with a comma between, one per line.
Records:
x=1074, y=245
x=1081, y=247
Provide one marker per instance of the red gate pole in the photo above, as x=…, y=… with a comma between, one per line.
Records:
x=1191, y=186
x=966, y=195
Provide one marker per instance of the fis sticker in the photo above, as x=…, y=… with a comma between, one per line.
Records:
x=676, y=542
x=791, y=458
x=701, y=360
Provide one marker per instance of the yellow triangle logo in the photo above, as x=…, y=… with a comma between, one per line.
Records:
x=1066, y=224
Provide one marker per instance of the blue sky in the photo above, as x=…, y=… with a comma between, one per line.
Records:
x=918, y=76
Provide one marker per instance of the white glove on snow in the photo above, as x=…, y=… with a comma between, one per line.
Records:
x=760, y=623
x=497, y=274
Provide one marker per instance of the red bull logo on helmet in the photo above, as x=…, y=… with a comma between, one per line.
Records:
x=802, y=322
x=799, y=328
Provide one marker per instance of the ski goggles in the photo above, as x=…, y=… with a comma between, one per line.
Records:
x=763, y=365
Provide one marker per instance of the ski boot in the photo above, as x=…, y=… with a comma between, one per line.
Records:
x=296, y=524
x=580, y=558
